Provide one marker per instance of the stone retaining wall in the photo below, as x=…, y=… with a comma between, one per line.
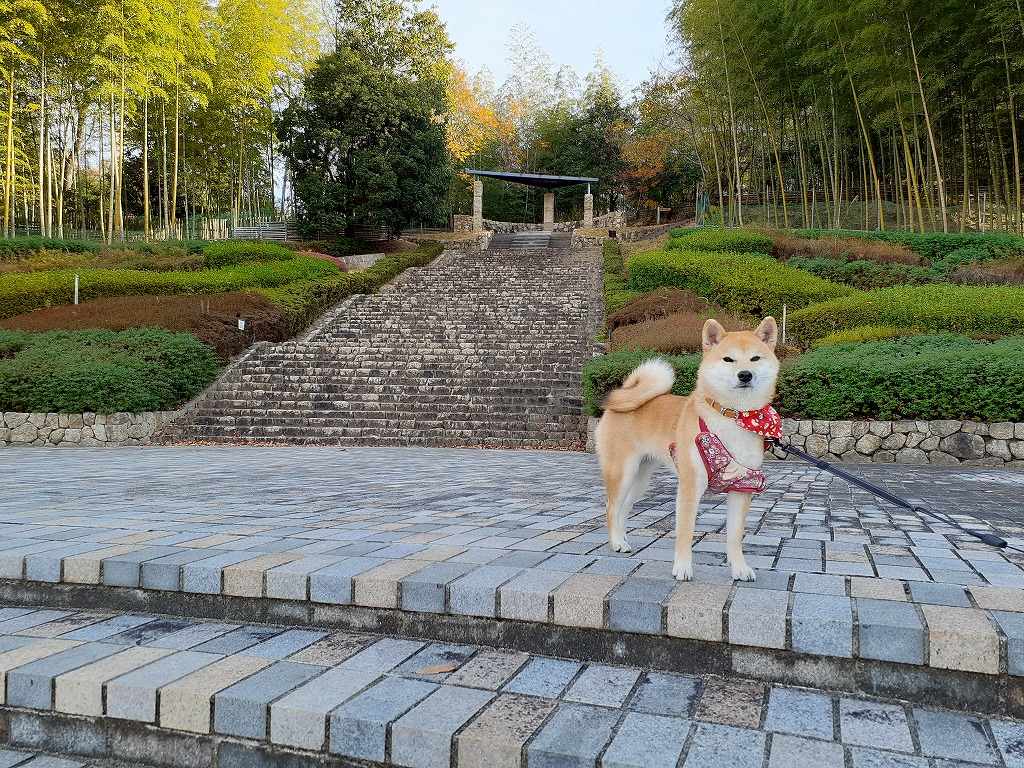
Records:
x=63, y=429
x=463, y=223
x=584, y=238
x=943, y=443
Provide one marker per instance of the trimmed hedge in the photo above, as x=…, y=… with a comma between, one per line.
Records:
x=607, y=372
x=997, y=310
x=737, y=240
x=753, y=284
x=934, y=245
x=617, y=292
x=143, y=369
x=866, y=333
x=35, y=290
x=865, y=274
x=20, y=247
x=922, y=377
x=227, y=253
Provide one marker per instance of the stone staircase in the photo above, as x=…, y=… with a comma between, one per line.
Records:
x=476, y=349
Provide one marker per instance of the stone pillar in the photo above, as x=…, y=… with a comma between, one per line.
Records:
x=478, y=206
x=549, y=211
x=588, y=210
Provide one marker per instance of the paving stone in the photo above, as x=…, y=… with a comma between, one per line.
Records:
x=359, y=727
x=31, y=685
x=489, y=669
x=425, y=590
x=241, y=710
x=877, y=589
x=695, y=610
x=190, y=637
x=873, y=724
x=238, y=640
x=544, y=677
x=758, y=617
x=822, y=625
x=1009, y=737
x=333, y=649
x=890, y=631
x=165, y=572
x=1012, y=626
x=997, y=599
x=125, y=570
x=798, y=752
x=80, y=691
x=714, y=746
x=434, y=655
x=496, y=737
x=800, y=713
x=207, y=576
x=422, y=738
x=961, y=638
x=661, y=694
x=185, y=703
x=133, y=696
x=939, y=594
x=26, y=654
x=731, y=703
x=148, y=632
x=383, y=656
x=526, y=596
x=580, y=600
x=819, y=584
x=573, y=737
x=636, y=606
x=875, y=758
x=953, y=736
x=246, y=578
x=378, y=587
x=299, y=719
x=646, y=741
x=290, y=581
x=474, y=593
x=602, y=685
x=108, y=628
x=284, y=644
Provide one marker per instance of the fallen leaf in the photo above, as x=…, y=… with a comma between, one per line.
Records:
x=437, y=669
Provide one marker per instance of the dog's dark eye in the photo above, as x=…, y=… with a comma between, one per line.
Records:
x=755, y=358
x=728, y=360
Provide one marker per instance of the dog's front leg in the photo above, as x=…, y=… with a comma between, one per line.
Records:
x=737, y=505
x=687, y=498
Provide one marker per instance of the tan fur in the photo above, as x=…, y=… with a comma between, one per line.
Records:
x=640, y=422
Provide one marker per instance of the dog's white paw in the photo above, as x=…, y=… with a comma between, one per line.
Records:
x=743, y=573
x=683, y=572
x=621, y=546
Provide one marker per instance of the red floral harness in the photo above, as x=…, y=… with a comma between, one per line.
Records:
x=724, y=473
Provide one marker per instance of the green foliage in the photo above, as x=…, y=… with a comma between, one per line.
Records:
x=341, y=247
x=935, y=245
x=997, y=310
x=22, y=247
x=227, y=253
x=922, y=377
x=616, y=285
x=605, y=373
x=865, y=333
x=143, y=369
x=737, y=240
x=866, y=274
x=36, y=290
x=751, y=284
x=682, y=231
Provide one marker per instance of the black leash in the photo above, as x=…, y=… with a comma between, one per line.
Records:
x=988, y=538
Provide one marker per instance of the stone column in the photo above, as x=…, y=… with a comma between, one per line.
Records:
x=549, y=211
x=588, y=210
x=478, y=206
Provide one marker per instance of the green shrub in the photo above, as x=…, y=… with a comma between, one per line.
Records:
x=35, y=290
x=617, y=292
x=866, y=333
x=935, y=245
x=961, y=257
x=736, y=240
x=143, y=369
x=21, y=247
x=752, y=284
x=922, y=377
x=605, y=373
x=866, y=275
x=341, y=247
x=682, y=231
x=997, y=310
x=227, y=253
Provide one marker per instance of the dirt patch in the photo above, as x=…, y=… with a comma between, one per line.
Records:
x=852, y=249
x=660, y=303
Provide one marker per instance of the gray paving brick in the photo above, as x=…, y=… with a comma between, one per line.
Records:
x=544, y=677
x=572, y=738
x=133, y=696
x=1012, y=625
x=192, y=636
x=489, y=669
x=819, y=584
x=290, y=581
x=284, y=644
x=1009, y=736
x=48, y=566
x=953, y=736
x=474, y=593
x=822, y=625
x=800, y=713
x=646, y=741
x=241, y=710
x=108, y=628
x=422, y=738
x=359, y=726
x=714, y=746
x=876, y=758
x=299, y=718
x=798, y=752
x=939, y=594
x=432, y=656
x=32, y=684
x=334, y=583
x=602, y=685
x=661, y=694
x=758, y=617
x=124, y=570
x=383, y=656
x=526, y=597
x=28, y=620
x=148, y=632
x=10, y=758
x=207, y=576
x=238, y=640
x=165, y=572
x=890, y=631
x=872, y=724
x=636, y=606
x=425, y=589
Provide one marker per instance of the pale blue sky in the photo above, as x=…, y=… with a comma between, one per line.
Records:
x=631, y=35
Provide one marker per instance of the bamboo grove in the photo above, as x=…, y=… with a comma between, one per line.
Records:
x=900, y=114
x=164, y=104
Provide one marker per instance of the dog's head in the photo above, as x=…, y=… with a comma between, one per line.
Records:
x=740, y=367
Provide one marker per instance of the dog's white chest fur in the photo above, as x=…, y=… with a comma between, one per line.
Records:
x=746, y=447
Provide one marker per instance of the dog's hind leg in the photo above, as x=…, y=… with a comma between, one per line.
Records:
x=637, y=489
x=737, y=505
x=620, y=482
x=691, y=487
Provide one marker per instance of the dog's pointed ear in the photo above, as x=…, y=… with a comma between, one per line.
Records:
x=712, y=333
x=768, y=332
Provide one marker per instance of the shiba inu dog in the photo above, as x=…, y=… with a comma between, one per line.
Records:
x=714, y=438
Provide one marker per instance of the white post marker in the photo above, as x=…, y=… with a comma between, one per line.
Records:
x=783, y=323
x=241, y=323
x=76, y=289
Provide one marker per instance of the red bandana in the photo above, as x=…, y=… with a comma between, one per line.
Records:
x=765, y=422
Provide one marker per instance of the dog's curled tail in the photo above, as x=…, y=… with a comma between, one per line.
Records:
x=648, y=380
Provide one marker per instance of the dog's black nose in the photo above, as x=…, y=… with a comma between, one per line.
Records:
x=745, y=376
